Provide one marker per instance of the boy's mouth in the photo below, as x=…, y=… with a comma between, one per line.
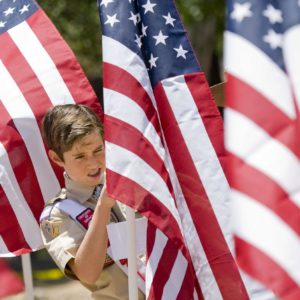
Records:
x=95, y=173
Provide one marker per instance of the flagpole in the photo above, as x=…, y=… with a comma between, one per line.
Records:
x=27, y=275
x=131, y=246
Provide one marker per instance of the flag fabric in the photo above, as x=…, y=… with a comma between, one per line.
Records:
x=262, y=63
x=37, y=70
x=164, y=150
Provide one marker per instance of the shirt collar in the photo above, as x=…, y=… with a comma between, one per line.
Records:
x=77, y=192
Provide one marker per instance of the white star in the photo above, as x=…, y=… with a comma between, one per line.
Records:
x=180, y=52
x=144, y=28
x=274, y=39
x=24, y=9
x=138, y=41
x=160, y=38
x=106, y=2
x=135, y=18
x=9, y=11
x=274, y=15
x=152, y=61
x=241, y=11
x=2, y=24
x=169, y=20
x=149, y=6
x=111, y=20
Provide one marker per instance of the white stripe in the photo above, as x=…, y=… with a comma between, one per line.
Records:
x=242, y=59
x=136, y=169
x=117, y=54
x=41, y=63
x=118, y=105
x=19, y=205
x=291, y=50
x=157, y=251
x=201, y=150
x=25, y=121
x=259, y=226
x=174, y=283
x=195, y=295
x=4, y=252
x=205, y=276
x=255, y=289
x=253, y=145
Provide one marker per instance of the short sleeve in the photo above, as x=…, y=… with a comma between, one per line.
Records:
x=61, y=236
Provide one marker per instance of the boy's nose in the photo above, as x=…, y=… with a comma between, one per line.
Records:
x=95, y=162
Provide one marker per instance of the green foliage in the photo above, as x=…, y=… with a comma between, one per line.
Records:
x=197, y=12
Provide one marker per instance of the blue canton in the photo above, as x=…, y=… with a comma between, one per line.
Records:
x=263, y=23
x=153, y=30
x=13, y=12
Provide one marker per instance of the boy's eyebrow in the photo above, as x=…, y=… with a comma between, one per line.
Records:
x=82, y=153
x=79, y=153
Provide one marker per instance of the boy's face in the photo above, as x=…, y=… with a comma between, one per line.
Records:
x=85, y=162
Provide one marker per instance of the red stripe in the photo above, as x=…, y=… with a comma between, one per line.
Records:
x=163, y=272
x=11, y=232
x=185, y=283
x=130, y=87
x=128, y=137
x=260, y=187
x=21, y=163
x=263, y=268
x=24, y=77
x=65, y=61
x=28, y=83
x=209, y=113
x=135, y=196
x=249, y=102
x=151, y=231
x=206, y=224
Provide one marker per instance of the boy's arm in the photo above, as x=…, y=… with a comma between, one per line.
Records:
x=90, y=257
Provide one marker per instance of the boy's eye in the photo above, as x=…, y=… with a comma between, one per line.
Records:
x=79, y=157
x=99, y=150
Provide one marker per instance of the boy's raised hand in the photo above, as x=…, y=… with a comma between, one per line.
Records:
x=104, y=200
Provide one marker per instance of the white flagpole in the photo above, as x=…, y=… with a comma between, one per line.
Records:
x=27, y=275
x=132, y=266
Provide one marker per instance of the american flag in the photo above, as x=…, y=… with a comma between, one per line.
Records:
x=37, y=70
x=262, y=62
x=164, y=150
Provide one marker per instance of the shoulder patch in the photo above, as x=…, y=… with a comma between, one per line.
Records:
x=52, y=229
x=85, y=217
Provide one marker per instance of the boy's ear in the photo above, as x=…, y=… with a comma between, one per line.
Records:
x=55, y=158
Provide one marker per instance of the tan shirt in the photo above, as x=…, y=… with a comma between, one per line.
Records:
x=62, y=237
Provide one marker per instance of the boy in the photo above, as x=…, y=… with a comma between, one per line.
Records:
x=73, y=224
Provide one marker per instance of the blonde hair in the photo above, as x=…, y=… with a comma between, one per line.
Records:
x=63, y=125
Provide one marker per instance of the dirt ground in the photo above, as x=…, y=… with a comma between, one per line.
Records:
x=69, y=290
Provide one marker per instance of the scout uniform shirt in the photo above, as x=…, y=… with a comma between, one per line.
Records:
x=62, y=237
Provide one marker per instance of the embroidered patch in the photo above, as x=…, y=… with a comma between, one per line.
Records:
x=85, y=217
x=50, y=228
x=97, y=192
